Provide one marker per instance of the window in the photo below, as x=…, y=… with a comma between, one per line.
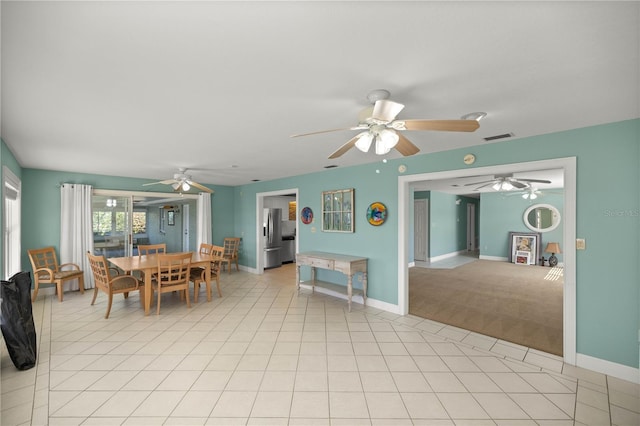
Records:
x=109, y=222
x=337, y=210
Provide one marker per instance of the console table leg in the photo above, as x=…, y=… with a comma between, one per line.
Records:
x=364, y=288
x=349, y=290
x=313, y=279
x=298, y=278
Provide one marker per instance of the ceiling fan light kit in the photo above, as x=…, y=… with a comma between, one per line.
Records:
x=381, y=126
x=181, y=182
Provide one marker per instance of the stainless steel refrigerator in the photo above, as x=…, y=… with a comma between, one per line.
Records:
x=272, y=231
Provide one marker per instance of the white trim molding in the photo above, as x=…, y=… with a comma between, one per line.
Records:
x=609, y=368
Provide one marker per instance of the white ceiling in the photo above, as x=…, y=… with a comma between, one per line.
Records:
x=139, y=89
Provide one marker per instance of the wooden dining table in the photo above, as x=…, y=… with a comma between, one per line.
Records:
x=149, y=263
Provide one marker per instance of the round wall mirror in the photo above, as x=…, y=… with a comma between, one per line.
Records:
x=542, y=217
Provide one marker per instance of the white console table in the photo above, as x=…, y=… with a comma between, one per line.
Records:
x=348, y=265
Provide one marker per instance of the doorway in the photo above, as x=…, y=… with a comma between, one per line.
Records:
x=262, y=202
x=568, y=166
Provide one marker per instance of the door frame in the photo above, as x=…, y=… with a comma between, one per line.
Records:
x=568, y=164
x=471, y=227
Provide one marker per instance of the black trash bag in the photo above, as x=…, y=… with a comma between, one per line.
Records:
x=16, y=320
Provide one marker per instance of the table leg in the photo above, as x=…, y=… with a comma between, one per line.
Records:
x=364, y=288
x=298, y=277
x=147, y=291
x=349, y=289
x=313, y=279
x=207, y=278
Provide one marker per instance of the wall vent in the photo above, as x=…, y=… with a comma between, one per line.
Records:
x=496, y=137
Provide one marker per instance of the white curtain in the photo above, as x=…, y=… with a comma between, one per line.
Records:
x=76, y=235
x=204, y=219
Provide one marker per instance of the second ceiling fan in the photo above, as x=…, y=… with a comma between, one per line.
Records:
x=378, y=124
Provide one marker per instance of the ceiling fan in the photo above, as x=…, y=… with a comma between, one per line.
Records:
x=532, y=193
x=181, y=182
x=506, y=182
x=378, y=124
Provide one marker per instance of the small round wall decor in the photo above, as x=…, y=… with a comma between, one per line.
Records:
x=306, y=215
x=377, y=213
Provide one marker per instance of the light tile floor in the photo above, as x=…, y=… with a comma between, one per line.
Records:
x=266, y=355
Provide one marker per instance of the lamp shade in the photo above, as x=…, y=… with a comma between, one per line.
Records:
x=552, y=248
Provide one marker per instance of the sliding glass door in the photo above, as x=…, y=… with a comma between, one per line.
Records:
x=114, y=225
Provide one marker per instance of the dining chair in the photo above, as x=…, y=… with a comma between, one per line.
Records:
x=198, y=274
x=144, y=249
x=46, y=270
x=231, y=246
x=172, y=275
x=111, y=284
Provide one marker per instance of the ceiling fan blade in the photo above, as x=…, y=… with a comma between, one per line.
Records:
x=483, y=186
x=518, y=184
x=200, y=187
x=535, y=180
x=405, y=146
x=479, y=183
x=344, y=148
x=329, y=131
x=385, y=110
x=442, y=125
x=163, y=182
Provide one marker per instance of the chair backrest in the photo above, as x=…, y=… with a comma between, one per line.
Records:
x=231, y=245
x=100, y=270
x=217, y=251
x=174, y=268
x=144, y=249
x=43, y=258
x=205, y=248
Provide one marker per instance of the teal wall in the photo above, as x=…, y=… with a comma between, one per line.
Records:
x=448, y=223
x=607, y=281
x=501, y=214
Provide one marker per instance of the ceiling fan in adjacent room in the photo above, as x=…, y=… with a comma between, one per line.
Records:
x=506, y=182
x=379, y=127
x=181, y=182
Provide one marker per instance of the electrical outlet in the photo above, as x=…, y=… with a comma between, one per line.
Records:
x=581, y=244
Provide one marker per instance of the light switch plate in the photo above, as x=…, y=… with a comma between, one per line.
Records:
x=581, y=244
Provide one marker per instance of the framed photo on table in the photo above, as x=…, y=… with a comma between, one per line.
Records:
x=522, y=243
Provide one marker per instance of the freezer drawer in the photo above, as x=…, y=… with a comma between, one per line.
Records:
x=272, y=257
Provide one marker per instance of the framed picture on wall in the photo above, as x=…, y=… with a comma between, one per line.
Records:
x=524, y=242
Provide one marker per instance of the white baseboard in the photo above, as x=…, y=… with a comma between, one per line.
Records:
x=495, y=258
x=609, y=368
x=446, y=256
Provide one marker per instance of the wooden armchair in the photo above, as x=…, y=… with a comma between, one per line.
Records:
x=173, y=275
x=231, y=246
x=198, y=274
x=47, y=271
x=111, y=284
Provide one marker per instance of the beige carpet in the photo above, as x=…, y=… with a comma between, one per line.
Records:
x=499, y=299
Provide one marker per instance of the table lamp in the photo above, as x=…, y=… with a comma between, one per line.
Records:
x=553, y=248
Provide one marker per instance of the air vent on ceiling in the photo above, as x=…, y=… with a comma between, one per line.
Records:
x=496, y=137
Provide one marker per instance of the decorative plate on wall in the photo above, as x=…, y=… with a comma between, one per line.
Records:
x=306, y=215
x=376, y=213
